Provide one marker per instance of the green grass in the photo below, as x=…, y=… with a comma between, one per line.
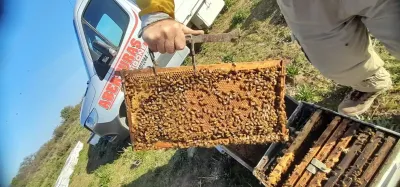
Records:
x=160, y=168
x=305, y=93
x=239, y=17
x=292, y=70
x=229, y=3
x=228, y=58
x=48, y=161
x=265, y=36
x=104, y=175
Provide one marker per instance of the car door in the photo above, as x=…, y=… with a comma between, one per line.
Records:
x=113, y=24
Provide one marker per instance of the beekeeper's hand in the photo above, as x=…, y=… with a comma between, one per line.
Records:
x=167, y=36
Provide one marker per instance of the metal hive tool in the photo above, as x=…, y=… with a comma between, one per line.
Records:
x=215, y=104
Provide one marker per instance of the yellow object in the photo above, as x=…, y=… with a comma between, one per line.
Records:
x=152, y=6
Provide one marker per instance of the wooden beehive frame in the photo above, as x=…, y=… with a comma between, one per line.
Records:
x=149, y=74
x=350, y=152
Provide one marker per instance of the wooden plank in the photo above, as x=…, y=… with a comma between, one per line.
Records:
x=334, y=156
x=325, y=150
x=377, y=161
x=263, y=165
x=386, y=169
x=286, y=160
x=223, y=66
x=344, y=164
x=362, y=159
x=312, y=152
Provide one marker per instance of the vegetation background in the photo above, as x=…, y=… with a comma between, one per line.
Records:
x=265, y=36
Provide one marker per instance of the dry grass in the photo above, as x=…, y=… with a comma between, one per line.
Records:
x=265, y=36
x=158, y=168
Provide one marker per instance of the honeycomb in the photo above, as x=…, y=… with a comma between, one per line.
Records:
x=217, y=104
x=352, y=154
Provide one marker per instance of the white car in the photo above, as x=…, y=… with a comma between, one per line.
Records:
x=114, y=25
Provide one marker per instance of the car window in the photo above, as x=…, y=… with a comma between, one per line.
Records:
x=104, y=21
x=109, y=29
x=91, y=36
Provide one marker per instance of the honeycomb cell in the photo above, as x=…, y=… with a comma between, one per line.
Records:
x=216, y=104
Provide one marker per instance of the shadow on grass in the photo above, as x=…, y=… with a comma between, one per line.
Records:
x=388, y=121
x=207, y=167
x=104, y=153
x=261, y=12
x=266, y=9
x=333, y=98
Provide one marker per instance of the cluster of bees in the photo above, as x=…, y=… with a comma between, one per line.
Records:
x=361, y=136
x=206, y=108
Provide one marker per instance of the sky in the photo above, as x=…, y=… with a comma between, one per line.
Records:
x=41, y=71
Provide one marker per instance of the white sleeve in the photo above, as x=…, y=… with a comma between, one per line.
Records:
x=151, y=18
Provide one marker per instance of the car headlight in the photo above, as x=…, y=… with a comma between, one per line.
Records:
x=92, y=119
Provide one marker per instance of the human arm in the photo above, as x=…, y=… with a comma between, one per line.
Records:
x=159, y=29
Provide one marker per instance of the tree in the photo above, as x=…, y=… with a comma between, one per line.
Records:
x=38, y=169
x=59, y=131
x=25, y=169
x=70, y=113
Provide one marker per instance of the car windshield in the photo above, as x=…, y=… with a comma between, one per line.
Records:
x=104, y=21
